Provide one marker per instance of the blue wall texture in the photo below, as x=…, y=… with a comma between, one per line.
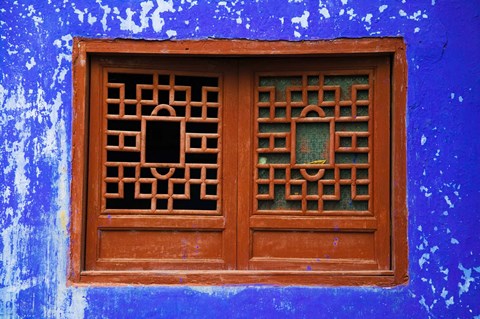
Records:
x=443, y=115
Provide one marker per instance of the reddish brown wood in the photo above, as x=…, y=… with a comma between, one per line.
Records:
x=398, y=184
x=240, y=240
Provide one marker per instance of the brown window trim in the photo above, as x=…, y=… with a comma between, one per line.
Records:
x=394, y=48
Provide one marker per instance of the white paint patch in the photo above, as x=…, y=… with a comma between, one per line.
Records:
x=80, y=14
x=382, y=8
x=303, y=20
x=423, y=140
x=128, y=24
x=454, y=241
x=425, y=257
x=416, y=30
x=63, y=59
x=460, y=99
x=297, y=34
x=344, y=2
x=162, y=6
x=452, y=96
x=449, y=302
x=425, y=190
x=351, y=14
x=402, y=13
x=449, y=203
x=468, y=279
x=171, y=33
x=91, y=19
x=444, y=293
x=31, y=63
x=368, y=18
x=219, y=291
x=424, y=304
x=106, y=11
x=324, y=12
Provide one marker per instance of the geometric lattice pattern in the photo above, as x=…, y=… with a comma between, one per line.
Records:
x=312, y=143
x=162, y=143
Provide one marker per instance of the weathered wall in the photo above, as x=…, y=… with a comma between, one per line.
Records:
x=443, y=151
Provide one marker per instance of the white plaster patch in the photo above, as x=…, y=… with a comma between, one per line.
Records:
x=80, y=14
x=30, y=64
x=422, y=302
x=382, y=8
x=425, y=190
x=63, y=59
x=324, y=12
x=423, y=140
x=449, y=302
x=444, y=293
x=162, y=6
x=425, y=257
x=129, y=25
x=106, y=11
x=303, y=20
x=351, y=14
x=219, y=291
x=171, y=33
x=368, y=18
x=468, y=279
x=91, y=19
x=449, y=203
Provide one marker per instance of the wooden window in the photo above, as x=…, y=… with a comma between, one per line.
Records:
x=226, y=162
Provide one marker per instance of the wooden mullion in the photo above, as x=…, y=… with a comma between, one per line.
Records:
x=245, y=163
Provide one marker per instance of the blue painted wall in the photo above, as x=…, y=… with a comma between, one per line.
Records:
x=443, y=116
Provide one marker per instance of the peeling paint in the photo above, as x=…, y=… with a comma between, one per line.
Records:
x=442, y=153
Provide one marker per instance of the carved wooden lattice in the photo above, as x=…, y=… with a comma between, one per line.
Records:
x=313, y=142
x=163, y=143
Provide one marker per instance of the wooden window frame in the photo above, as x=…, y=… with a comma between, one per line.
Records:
x=393, y=48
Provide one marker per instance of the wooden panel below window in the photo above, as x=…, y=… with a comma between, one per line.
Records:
x=141, y=249
x=312, y=250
